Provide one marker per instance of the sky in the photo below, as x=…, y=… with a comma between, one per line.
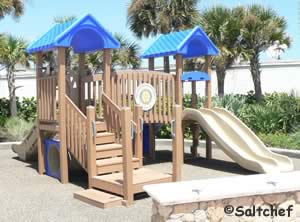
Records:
x=39, y=15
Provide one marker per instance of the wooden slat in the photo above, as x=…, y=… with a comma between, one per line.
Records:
x=129, y=78
x=123, y=90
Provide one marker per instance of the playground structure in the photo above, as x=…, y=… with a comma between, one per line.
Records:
x=96, y=117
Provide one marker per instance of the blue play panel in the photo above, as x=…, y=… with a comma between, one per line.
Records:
x=52, y=160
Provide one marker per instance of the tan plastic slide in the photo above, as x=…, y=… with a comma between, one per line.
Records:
x=27, y=149
x=238, y=141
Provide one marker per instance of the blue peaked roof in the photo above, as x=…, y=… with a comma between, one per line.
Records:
x=189, y=43
x=85, y=34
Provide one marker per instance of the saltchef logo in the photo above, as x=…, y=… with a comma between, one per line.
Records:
x=145, y=96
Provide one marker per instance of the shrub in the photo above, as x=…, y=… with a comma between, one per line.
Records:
x=15, y=129
x=27, y=109
x=282, y=140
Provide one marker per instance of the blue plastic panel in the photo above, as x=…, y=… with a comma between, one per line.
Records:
x=189, y=43
x=195, y=76
x=84, y=35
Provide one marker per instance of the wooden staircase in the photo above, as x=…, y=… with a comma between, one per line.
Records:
x=115, y=168
x=109, y=152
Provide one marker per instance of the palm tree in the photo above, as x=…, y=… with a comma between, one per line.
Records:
x=152, y=17
x=261, y=28
x=125, y=57
x=12, y=53
x=14, y=7
x=223, y=25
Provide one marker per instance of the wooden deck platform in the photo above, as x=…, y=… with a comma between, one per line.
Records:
x=114, y=182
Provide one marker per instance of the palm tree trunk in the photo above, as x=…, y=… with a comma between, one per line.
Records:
x=12, y=91
x=166, y=64
x=221, y=73
x=255, y=72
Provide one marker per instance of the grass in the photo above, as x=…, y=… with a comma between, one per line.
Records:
x=281, y=140
x=15, y=129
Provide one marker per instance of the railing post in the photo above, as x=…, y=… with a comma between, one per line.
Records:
x=138, y=142
x=81, y=89
x=91, y=147
x=62, y=114
x=41, y=151
x=177, y=154
x=208, y=60
x=127, y=156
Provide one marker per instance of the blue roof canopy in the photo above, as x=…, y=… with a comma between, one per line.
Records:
x=85, y=34
x=195, y=76
x=189, y=43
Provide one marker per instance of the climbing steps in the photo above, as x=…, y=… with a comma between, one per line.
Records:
x=109, y=178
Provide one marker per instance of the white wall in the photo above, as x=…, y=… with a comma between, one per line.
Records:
x=280, y=77
x=283, y=76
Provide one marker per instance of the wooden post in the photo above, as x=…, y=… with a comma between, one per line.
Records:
x=62, y=114
x=81, y=87
x=178, y=83
x=195, y=127
x=107, y=71
x=138, y=145
x=177, y=144
x=91, y=147
x=151, y=66
x=40, y=144
x=208, y=103
x=127, y=156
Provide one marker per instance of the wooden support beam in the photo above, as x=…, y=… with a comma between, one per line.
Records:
x=151, y=67
x=82, y=73
x=178, y=150
x=178, y=83
x=151, y=64
x=127, y=156
x=40, y=144
x=62, y=114
x=138, y=145
x=91, y=147
x=208, y=92
x=195, y=127
x=107, y=71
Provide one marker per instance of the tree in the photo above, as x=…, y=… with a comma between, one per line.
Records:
x=223, y=25
x=125, y=57
x=12, y=53
x=152, y=17
x=261, y=28
x=11, y=7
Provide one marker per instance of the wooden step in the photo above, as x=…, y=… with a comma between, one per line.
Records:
x=114, y=164
x=98, y=198
x=108, y=150
x=101, y=126
x=105, y=137
x=114, y=182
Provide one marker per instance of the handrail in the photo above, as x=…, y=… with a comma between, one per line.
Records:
x=75, y=107
x=76, y=133
x=109, y=102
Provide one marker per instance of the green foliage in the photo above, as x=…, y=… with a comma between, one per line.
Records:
x=279, y=112
x=4, y=107
x=233, y=103
x=15, y=129
x=274, y=119
x=289, y=141
x=26, y=109
x=9, y=7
